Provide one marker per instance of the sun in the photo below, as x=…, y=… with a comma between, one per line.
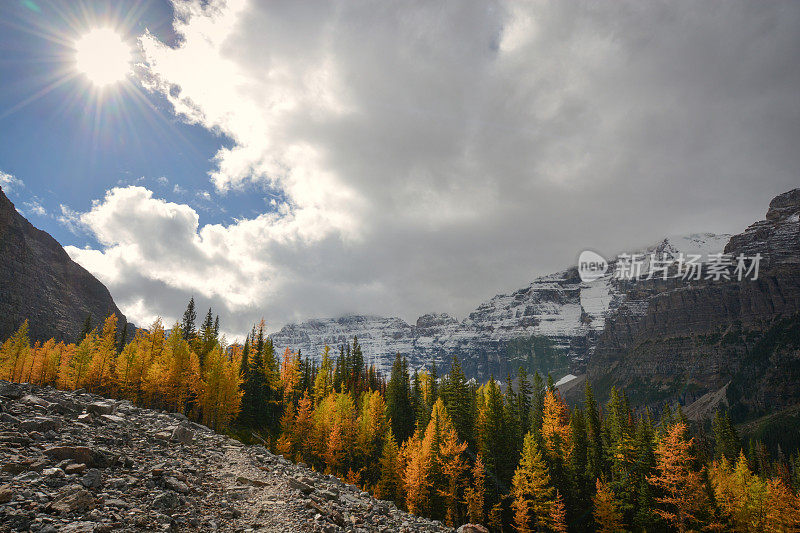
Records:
x=103, y=56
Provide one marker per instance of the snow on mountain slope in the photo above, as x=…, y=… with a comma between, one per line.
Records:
x=559, y=306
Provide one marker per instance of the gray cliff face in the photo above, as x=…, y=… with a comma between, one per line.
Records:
x=679, y=341
x=777, y=238
x=39, y=282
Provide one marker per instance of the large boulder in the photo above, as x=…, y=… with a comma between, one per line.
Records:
x=182, y=434
x=81, y=454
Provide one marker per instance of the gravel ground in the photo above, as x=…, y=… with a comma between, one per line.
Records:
x=76, y=462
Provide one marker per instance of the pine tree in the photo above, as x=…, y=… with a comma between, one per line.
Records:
x=291, y=377
x=207, y=329
x=207, y=337
x=356, y=368
x=323, y=383
x=340, y=372
x=87, y=327
x=433, y=394
x=418, y=403
x=123, y=339
x=537, y=405
x=455, y=394
x=493, y=434
x=259, y=405
x=398, y=400
x=726, y=440
x=594, y=436
x=390, y=483
x=244, y=365
x=533, y=495
x=523, y=407
x=644, y=518
x=578, y=497
x=189, y=317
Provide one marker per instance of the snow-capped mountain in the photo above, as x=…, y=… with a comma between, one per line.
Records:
x=559, y=307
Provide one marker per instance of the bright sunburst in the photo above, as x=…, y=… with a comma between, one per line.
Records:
x=103, y=56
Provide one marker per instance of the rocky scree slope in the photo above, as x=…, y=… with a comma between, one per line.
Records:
x=498, y=335
x=75, y=462
x=730, y=343
x=39, y=282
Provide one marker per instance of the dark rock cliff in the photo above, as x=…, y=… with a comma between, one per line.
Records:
x=40, y=282
x=680, y=341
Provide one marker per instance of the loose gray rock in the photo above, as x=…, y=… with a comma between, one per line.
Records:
x=40, y=424
x=183, y=435
x=472, y=528
x=97, y=474
x=303, y=487
x=166, y=500
x=73, y=498
x=92, y=479
x=6, y=493
x=100, y=408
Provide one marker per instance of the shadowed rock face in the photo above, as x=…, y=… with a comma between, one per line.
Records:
x=678, y=341
x=40, y=282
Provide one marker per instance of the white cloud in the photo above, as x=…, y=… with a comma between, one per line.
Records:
x=9, y=182
x=35, y=208
x=71, y=220
x=433, y=154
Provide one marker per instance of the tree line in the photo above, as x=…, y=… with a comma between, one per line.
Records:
x=509, y=457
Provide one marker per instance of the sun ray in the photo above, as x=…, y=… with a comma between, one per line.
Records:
x=64, y=78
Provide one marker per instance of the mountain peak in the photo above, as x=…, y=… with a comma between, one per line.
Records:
x=784, y=206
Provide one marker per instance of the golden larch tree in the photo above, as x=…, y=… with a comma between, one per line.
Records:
x=531, y=490
x=607, y=514
x=475, y=493
x=681, y=487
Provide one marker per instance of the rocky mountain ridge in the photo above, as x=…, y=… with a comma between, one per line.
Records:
x=39, y=282
x=687, y=341
x=76, y=462
x=496, y=336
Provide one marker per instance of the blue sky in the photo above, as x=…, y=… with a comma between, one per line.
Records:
x=68, y=147
x=290, y=160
